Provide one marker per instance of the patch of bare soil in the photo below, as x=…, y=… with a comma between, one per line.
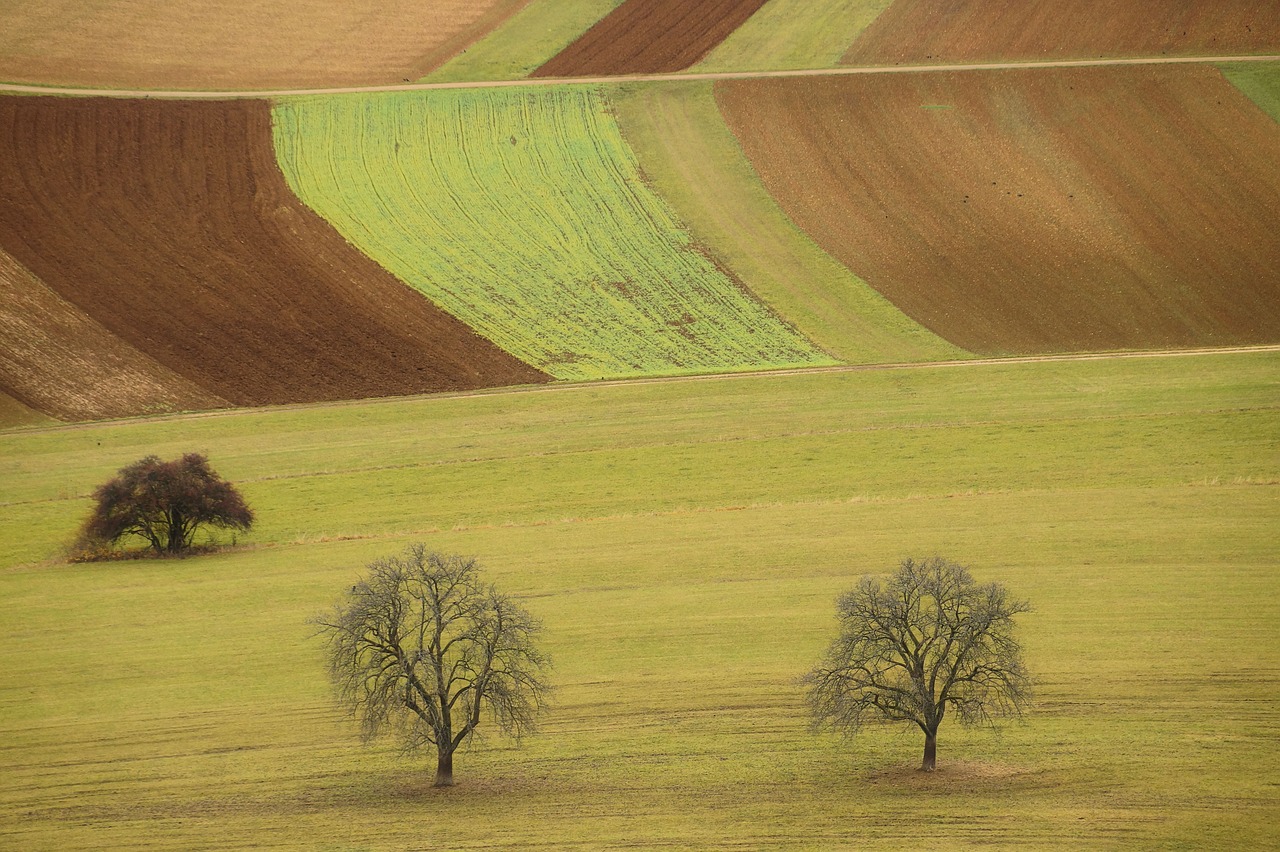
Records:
x=921, y=31
x=650, y=37
x=169, y=225
x=238, y=44
x=1031, y=211
x=57, y=360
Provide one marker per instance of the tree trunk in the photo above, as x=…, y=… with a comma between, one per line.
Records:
x=930, y=751
x=444, y=770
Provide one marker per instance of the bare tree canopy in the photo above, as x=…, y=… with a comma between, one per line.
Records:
x=165, y=503
x=928, y=640
x=424, y=650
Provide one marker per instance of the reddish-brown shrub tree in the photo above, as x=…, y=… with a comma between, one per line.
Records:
x=164, y=503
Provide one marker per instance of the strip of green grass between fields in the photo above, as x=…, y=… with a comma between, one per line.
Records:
x=693, y=160
x=794, y=34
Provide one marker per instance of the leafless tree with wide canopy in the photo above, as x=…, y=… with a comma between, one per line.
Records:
x=929, y=640
x=421, y=647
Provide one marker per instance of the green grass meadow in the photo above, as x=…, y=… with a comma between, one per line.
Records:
x=525, y=215
x=683, y=542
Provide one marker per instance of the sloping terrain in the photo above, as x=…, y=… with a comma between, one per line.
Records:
x=170, y=226
x=689, y=156
x=57, y=360
x=924, y=31
x=251, y=44
x=649, y=37
x=1031, y=211
x=540, y=30
x=524, y=214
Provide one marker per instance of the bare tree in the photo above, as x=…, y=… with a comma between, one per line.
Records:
x=421, y=647
x=927, y=641
x=164, y=503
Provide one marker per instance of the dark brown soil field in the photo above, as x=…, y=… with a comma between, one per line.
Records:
x=170, y=226
x=1036, y=210
x=650, y=37
x=55, y=359
x=923, y=31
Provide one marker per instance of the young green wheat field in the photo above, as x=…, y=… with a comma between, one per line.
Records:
x=683, y=541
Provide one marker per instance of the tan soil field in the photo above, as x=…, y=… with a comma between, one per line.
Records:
x=169, y=225
x=251, y=44
x=55, y=359
x=1035, y=210
x=650, y=37
x=924, y=31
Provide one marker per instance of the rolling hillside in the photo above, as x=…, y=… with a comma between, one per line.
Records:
x=384, y=313
x=169, y=226
x=1035, y=210
x=229, y=44
x=354, y=245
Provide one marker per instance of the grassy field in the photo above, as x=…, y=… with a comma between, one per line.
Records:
x=684, y=542
x=787, y=34
x=524, y=214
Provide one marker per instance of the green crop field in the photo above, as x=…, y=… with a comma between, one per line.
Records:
x=683, y=541
x=524, y=214
x=789, y=34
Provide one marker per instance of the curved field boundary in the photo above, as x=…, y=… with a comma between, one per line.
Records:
x=57, y=360
x=526, y=40
x=931, y=31
x=692, y=159
x=238, y=43
x=523, y=214
x=650, y=36
x=790, y=34
x=170, y=225
x=1020, y=211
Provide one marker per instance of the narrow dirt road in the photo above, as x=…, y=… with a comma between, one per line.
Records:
x=17, y=88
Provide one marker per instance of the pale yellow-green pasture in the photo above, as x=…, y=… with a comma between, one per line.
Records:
x=683, y=542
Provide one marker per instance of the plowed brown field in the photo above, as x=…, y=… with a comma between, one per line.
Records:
x=921, y=31
x=1035, y=210
x=170, y=226
x=650, y=37
x=254, y=44
x=55, y=359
